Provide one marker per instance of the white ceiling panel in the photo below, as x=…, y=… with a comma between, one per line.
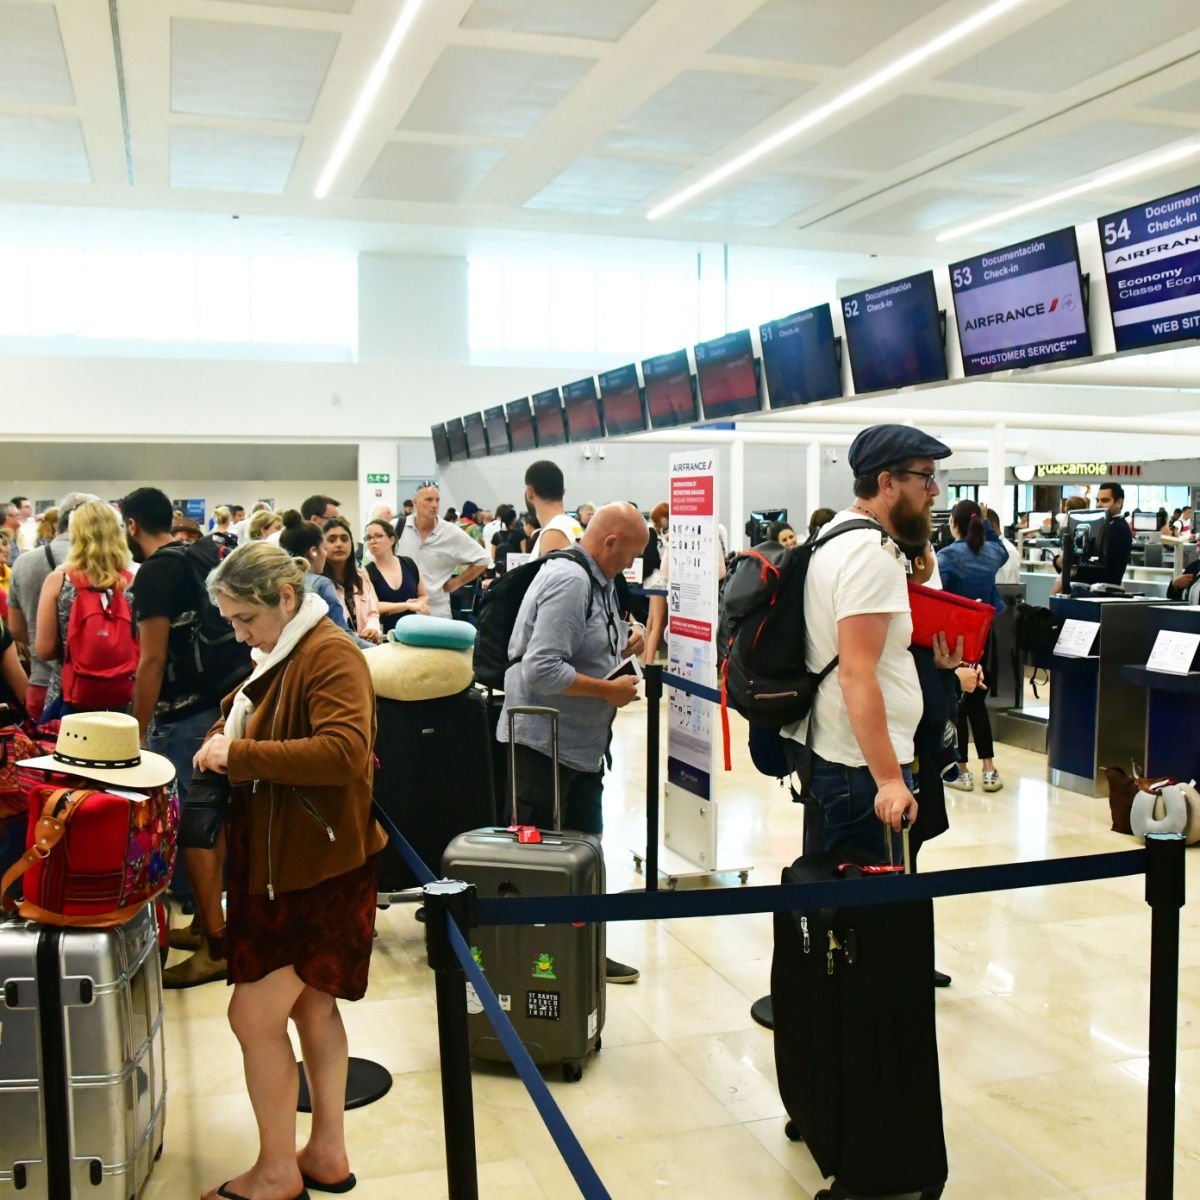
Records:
x=906, y=128
x=1075, y=43
x=266, y=72
x=605, y=21
x=33, y=67
x=765, y=200
x=231, y=160
x=334, y=6
x=701, y=111
x=1185, y=99
x=824, y=32
x=602, y=184
x=43, y=148
x=417, y=171
x=922, y=212
x=491, y=93
x=1031, y=161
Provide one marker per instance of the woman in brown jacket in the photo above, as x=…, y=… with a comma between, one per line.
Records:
x=296, y=742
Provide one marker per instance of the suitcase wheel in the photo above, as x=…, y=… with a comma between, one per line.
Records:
x=572, y=1072
x=599, y=1045
x=792, y=1133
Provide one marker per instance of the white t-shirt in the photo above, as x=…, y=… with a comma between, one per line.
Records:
x=857, y=573
x=1011, y=571
x=565, y=524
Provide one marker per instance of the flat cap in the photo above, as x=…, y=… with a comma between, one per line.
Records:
x=882, y=446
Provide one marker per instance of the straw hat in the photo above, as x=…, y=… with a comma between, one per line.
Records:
x=104, y=746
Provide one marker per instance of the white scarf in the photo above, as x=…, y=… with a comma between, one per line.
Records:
x=312, y=609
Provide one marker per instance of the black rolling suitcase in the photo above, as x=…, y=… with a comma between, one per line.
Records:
x=856, y=1037
x=434, y=778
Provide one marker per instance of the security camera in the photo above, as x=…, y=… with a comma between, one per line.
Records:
x=600, y=451
x=833, y=456
x=587, y=453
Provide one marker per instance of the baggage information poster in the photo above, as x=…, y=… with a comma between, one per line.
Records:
x=692, y=622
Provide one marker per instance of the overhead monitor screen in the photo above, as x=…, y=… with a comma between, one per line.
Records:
x=520, y=425
x=477, y=446
x=800, y=358
x=1022, y=305
x=583, y=410
x=670, y=394
x=895, y=334
x=458, y=439
x=728, y=376
x=548, y=417
x=497, y=429
x=622, y=399
x=1152, y=263
x=441, y=443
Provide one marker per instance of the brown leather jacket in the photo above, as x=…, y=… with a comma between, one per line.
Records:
x=304, y=769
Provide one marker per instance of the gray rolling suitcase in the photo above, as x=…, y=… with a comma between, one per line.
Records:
x=82, y=1074
x=549, y=978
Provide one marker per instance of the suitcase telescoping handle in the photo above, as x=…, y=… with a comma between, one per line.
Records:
x=891, y=853
x=533, y=710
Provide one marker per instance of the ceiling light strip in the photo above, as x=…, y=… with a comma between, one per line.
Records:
x=366, y=97
x=882, y=77
x=1142, y=166
x=119, y=61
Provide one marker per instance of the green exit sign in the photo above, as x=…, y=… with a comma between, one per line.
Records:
x=379, y=479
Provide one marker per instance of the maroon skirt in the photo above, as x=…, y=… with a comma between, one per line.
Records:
x=324, y=933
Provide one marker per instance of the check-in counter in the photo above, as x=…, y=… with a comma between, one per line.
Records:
x=1172, y=730
x=1097, y=716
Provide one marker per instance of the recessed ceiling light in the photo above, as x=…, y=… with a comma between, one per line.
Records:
x=885, y=75
x=366, y=97
x=1142, y=166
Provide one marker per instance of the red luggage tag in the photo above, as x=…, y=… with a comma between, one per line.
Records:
x=898, y=869
x=527, y=835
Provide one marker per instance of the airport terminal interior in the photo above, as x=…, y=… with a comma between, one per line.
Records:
x=260, y=250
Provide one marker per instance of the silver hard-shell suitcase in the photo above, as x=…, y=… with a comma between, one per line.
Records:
x=82, y=1071
x=549, y=978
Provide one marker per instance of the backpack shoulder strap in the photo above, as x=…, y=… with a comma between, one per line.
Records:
x=850, y=527
x=49, y=556
x=575, y=555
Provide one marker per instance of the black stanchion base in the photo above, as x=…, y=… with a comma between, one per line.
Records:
x=366, y=1083
x=763, y=1012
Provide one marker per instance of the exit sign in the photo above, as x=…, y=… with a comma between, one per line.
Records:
x=379, y=479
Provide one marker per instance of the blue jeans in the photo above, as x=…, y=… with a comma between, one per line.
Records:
x=847, y=799
x=179, y=741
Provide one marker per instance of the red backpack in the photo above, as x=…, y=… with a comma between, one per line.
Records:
x=101, y=655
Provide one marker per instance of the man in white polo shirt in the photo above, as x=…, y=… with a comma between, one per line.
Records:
x=439, y=549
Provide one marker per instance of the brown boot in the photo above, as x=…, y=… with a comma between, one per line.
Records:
x=203, y=967
x=186, y=937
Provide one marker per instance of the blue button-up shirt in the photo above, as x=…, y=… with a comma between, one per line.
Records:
x=974, y=575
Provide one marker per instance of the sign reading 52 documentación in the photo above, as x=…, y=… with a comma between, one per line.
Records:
x=1152, y=261
x=1022, y=305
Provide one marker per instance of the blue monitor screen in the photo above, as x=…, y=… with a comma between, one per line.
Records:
x=520, y=424
x=624, y=411
x=548, y=416
x=1152, y=263
x=477, y=446
x=728, y=376
x=583, y=410
x=895, y=334
x=441, y=443
x=497, y=429
x=1022, y=305
x=458, y=439
x=800, y=358
x=670, y=391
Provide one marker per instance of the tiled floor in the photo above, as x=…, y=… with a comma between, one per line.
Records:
x=1043, y=1034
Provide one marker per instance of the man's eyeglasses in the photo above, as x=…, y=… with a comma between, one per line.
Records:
x=928, y=476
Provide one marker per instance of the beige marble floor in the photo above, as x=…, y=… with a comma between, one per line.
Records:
x=1043, y=1034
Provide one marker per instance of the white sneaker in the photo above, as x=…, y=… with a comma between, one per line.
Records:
x=992, y=781
x=964, y=783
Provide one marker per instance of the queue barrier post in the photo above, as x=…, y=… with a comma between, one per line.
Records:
x=452, y=900
x=1166, y=893
x=654, y=690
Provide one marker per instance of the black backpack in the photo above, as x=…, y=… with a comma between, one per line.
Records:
x=205, y=661
x=761, y=632
x=497, y=615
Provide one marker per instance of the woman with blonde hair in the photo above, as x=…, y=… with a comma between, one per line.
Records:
x=98, y=562
x=47, y=527
x=221, y=533
x=263, y=524
x=657, y=549
x=295, y=741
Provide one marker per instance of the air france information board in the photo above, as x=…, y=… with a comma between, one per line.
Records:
x=1152, y=262
x=690, y=830
x=1021, y=305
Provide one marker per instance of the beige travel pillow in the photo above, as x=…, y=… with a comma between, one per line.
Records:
x=402, y=672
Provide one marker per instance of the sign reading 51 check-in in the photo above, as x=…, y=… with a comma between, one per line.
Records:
x=1152, y=262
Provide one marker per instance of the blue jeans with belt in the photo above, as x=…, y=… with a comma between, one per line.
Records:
x=847, y=799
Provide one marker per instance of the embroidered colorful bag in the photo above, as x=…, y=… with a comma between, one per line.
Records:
x=19, y=741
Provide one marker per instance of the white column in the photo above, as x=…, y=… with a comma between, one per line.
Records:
x=812, y=485
x=998, y=496
x=737, y=495
x=378, y=462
